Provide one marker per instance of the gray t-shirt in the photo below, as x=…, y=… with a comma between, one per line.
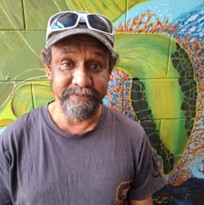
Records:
x=42, y=165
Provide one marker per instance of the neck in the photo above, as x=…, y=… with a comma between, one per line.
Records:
x=74, y=126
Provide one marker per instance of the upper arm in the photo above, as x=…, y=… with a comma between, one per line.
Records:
x=147, y=176
x=147, y=201
x=5, y=197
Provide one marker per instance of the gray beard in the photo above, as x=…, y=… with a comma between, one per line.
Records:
x=80, y=110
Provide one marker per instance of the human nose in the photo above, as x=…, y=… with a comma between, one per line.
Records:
x=81, y=77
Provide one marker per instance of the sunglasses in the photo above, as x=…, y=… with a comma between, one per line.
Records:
x=69, y=20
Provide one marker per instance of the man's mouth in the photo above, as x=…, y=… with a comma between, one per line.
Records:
x=79, y=96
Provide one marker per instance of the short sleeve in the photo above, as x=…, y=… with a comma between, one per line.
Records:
x=5, y=198
x=147, y=178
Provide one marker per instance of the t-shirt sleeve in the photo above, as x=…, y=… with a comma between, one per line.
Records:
x=5, y=198
x=147, y=178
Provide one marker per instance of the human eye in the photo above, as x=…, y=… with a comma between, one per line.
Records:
x=96, y=67
x=67, y=65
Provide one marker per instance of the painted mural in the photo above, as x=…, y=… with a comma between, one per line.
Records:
x=158, y=81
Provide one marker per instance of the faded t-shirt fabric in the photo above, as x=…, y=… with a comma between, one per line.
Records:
x=42, y=165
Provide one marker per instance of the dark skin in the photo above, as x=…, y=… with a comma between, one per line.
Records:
x=79, y=62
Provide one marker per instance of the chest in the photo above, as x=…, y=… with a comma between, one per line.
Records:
x=61, y=171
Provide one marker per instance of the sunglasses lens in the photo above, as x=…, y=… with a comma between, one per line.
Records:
x=65, y=20
x=100, y=23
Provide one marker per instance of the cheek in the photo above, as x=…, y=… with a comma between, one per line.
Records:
x=60, y=82
x=101, y=84
x=104, y=76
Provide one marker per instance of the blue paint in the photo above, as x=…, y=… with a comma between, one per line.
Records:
x=197, y=168
x=170, y=9
x=191, y=22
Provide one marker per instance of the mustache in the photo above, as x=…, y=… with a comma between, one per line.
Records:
x=81, y=91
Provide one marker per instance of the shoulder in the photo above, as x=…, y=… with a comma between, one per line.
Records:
x=25, y=120
x=129, y=132
x=125, y=124
x=122, y=119
x=20, y=127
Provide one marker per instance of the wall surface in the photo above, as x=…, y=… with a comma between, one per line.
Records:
x=159, y=79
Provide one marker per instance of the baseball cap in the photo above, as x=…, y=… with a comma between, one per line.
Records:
x=68, y=23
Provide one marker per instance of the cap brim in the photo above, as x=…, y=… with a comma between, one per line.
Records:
x=57, y=36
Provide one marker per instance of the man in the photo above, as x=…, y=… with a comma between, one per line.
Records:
x=75, y=150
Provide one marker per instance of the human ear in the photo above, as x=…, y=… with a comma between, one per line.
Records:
x=48, y=71
x=45, y=58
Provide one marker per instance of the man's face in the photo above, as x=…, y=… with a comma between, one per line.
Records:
x=79, y=71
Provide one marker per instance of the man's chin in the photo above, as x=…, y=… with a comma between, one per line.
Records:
x=80, y=110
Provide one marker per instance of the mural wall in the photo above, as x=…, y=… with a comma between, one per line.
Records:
x=158, y=81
